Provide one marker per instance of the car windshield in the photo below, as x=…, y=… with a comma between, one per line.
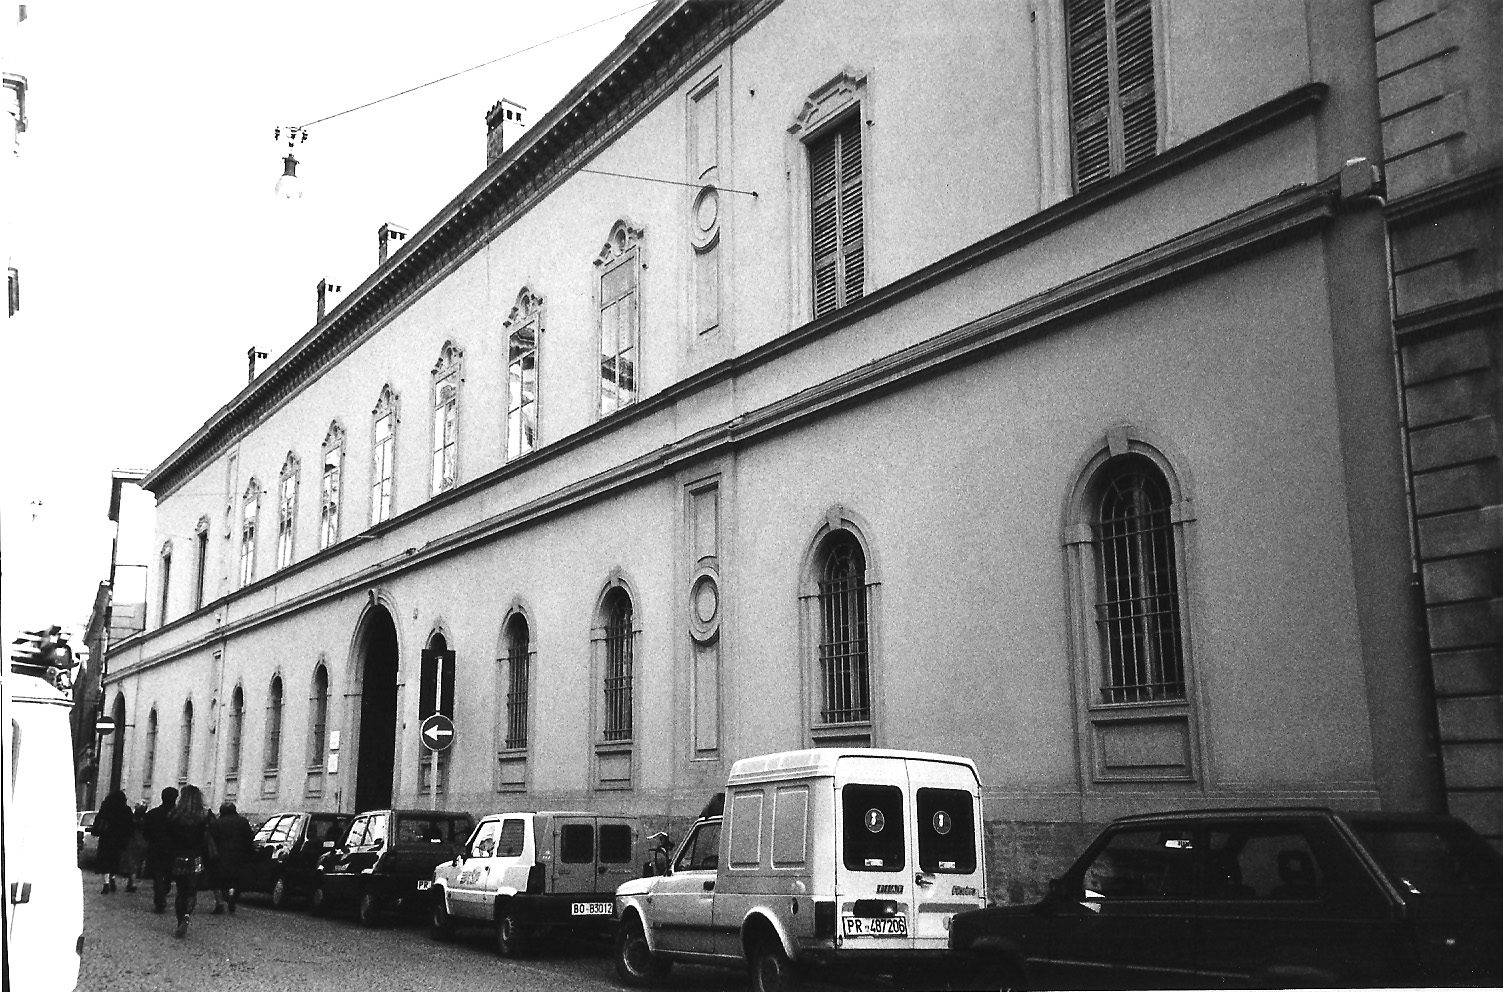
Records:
x=1433, y=859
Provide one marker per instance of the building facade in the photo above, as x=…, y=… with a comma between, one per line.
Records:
x=1016, y=384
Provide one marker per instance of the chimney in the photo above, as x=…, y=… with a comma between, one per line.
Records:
x=328, y=295
x=503, y=125
x=388, y=239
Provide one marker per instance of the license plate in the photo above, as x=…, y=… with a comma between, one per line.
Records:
x=424, y=884
x=875, y=926
x=591, y=908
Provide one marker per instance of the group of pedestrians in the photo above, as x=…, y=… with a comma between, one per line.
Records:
x=178, y=844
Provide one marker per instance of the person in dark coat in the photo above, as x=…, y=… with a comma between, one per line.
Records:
x=113, y=825
x=158, y=864
x=188, y=849
x=234, y=841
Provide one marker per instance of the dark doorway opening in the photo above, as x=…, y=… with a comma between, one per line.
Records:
x=378, y=712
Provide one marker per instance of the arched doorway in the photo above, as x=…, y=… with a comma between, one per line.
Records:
x=376, y=759
x=117, y=743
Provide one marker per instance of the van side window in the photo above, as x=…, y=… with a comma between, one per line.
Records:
x=790, y=826
x=615, y=843
x=483, y=844
x=702, y=852
x=513, y=835
x=577, y=845
x=946, y=831
x=873, y=827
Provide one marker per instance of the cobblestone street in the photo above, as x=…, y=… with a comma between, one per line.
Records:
x=127, y=948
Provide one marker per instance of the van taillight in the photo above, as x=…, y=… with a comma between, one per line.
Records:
x=824, y=919
x=537, y=879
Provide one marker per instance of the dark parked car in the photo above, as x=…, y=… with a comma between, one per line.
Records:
x=1258, y=897
x=380, y=862
x=287, y=849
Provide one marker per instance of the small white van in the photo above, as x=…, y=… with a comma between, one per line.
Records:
x=855, y=858
x=43, y=887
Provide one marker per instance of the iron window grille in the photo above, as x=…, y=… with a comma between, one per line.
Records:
x=185, y=752
x=273, y=754
x=844, y=656
x=1137, y=608
x=517, y=665
x=618, y=669
x=319, y=705
x=237, y=733
x=149, y=766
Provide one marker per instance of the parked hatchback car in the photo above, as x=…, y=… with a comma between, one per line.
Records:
x=1256, y=897
x=381, y=861
x=287, y=849
x=526, y=873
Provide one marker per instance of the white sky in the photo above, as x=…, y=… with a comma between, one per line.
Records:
x=152, y=251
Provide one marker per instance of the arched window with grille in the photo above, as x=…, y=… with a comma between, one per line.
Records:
x=271, y=759
x=318, y=730
x=838, y=594
x=615, y=642
x=149, y=765
x=1125, y=538
x=185, y=747
x=618, y=667
x=518, y=663
x=234, y=736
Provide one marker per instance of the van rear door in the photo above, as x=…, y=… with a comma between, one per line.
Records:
x=908, y=851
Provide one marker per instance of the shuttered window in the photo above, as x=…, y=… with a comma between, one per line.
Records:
x=838, y=234
x=1113, y=111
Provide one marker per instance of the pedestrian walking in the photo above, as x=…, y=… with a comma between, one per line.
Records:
x=234, y=841
x=113, y=825
x=158, y=865
x=133, y=858
x=189, y=850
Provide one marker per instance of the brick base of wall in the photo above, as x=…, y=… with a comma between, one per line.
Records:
x=1022, y=856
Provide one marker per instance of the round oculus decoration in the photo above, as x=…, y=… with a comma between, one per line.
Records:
x=704, y=605
x=706, y=214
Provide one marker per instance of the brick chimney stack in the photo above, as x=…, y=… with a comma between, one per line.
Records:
x=503, y=125
x=328, y=295
x=388, y=239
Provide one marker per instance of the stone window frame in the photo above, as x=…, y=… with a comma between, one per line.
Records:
x=839, y=524
x=289, y=481
x=849, y=92
x=271, y=744
x=250, y=517
x=331, y=493
x=234, y=750
x=444, y=433
x=1168, y=732
x=512, y=754
x=318, y=728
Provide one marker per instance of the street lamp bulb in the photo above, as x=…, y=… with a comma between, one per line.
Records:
x=289, y=185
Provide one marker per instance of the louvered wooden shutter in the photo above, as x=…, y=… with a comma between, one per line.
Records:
x=838, y=243
x=1113, y=110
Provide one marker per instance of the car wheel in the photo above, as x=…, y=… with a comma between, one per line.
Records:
x=771, y=971
x=318, y=902
x=369, y=912
x=636, y=965
x=511, y=941
x=440, y=923
x=280, y=896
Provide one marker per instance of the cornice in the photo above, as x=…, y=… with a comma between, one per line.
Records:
x=1298, y=213
x=664, y=49
x=1427, y=203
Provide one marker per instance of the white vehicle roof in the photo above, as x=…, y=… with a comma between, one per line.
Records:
x=821, y=762
x=31, y=689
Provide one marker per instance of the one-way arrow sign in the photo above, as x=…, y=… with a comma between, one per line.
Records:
x=437, y=732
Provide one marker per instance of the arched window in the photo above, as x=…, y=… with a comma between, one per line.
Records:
x=287, y=486
x=447, y=376
x=618, y=666
x=234, y=735
x=250, y=512
x=166, y=559
x=838, y=593
x=272, y=756
x=185, y=749
x=524, y=327
x=1125, y=546
x=436, y=695
x=318, y=730
x=149, y=768
x=383, y=454
x=201, y=561
x=618, y=266
x=329, y=485
x=518, y=663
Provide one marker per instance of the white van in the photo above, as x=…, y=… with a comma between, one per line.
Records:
x=855, y=858
x=43, y=887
